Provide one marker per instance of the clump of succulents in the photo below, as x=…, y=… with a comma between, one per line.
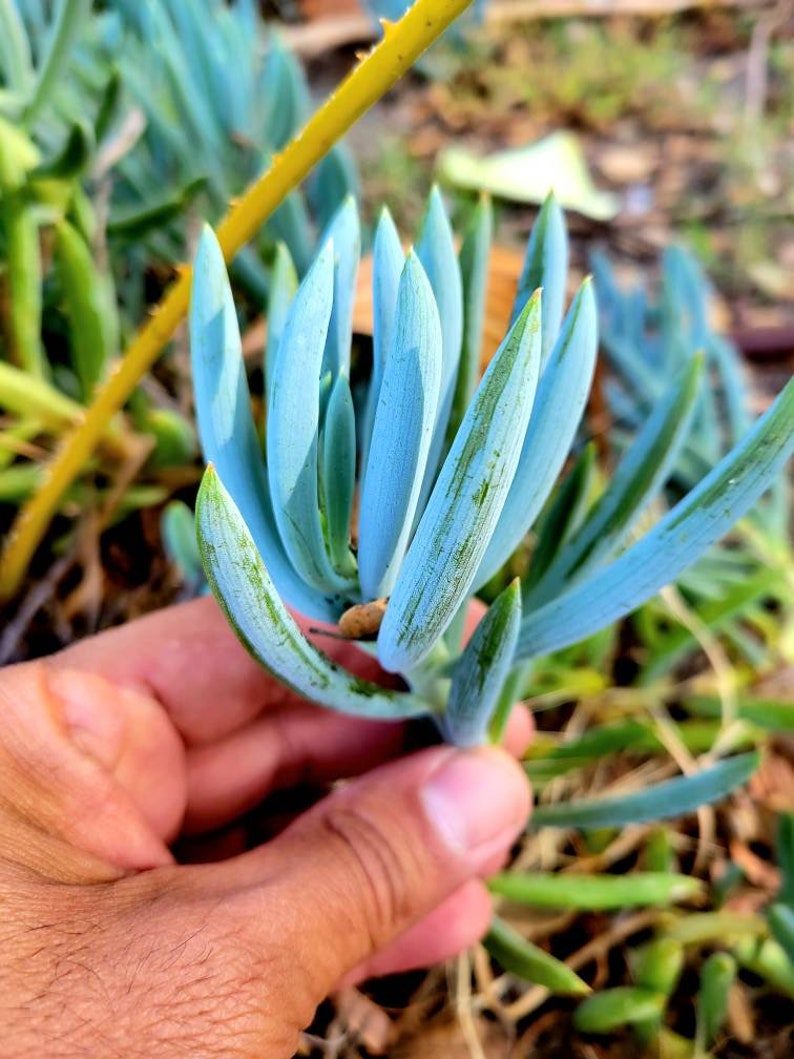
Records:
x=383, y=517
x=646, y=336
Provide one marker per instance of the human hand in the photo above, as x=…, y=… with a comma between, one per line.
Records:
x=116, y=747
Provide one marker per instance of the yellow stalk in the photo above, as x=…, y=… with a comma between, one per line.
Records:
x=402, y=44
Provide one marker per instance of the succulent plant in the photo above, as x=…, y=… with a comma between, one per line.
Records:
x=447, y=476
x=646, y=337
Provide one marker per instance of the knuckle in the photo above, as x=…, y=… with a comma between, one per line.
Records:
x=378, y=867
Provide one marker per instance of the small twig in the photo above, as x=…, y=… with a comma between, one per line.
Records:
x=35, y=599
x=463, y=1007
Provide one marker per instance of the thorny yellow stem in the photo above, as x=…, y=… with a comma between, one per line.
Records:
x=402, y=44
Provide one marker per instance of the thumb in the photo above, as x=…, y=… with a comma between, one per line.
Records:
x=374, y=858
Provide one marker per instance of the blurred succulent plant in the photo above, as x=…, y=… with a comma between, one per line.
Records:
x=212, y=130
x=645, y=339
x=82, y=199
x=449, y=475
x=203, y=132
x=60, y=326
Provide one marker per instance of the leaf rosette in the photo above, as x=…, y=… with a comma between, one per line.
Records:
x=378, y=513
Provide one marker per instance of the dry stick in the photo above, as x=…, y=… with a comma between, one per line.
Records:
x=402, y=43
x=463, y=1007
x=325, y=34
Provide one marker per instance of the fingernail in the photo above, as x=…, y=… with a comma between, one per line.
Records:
x=478, y=801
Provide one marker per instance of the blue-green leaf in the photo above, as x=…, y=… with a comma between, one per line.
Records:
x=65, y=32
x=226, y=426
x=283, y=287
x=464, y=507
x=546, y=266
x=178, y=528
x=474, y=258
x=401, y=435
x=561, y=400
x=436, y=251
x=333, y=179
x=293, y=426
x=634, y=485
x=242, y=585
x=15, y=59
x=481, y=671
x=345, y=233
x=339, y=474
x=562, y=516
x=663, y=801
x=681, y=537
x=387, y=267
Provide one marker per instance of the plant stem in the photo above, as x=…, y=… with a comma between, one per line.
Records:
x=402, y=43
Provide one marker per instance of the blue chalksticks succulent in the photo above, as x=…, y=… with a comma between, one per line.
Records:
x=383, y=515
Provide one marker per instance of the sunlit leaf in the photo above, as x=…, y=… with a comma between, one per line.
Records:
x=242, y=586
x=442, y=561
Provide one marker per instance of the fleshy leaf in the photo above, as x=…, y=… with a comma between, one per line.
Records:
x=612, y=1009
x=339, y=474
x=283, y=287
x=474, y=258
x=388, y=264
x=561, y=399
x=562, y=516
x=240, y=582
x=226, y=426
x=589, y=893
x=636, y=482
x=481, y=671
x=465, y=504
x=345, y=233
x=681, y=537
x=546, y=266
x=663, y=801
x=526, y=960
x=401, y=435
x=436, y=251
x=293, y=425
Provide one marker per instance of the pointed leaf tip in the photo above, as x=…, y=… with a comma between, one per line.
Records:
x=466, y=502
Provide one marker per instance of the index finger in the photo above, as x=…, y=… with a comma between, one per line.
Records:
x=188, y=658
